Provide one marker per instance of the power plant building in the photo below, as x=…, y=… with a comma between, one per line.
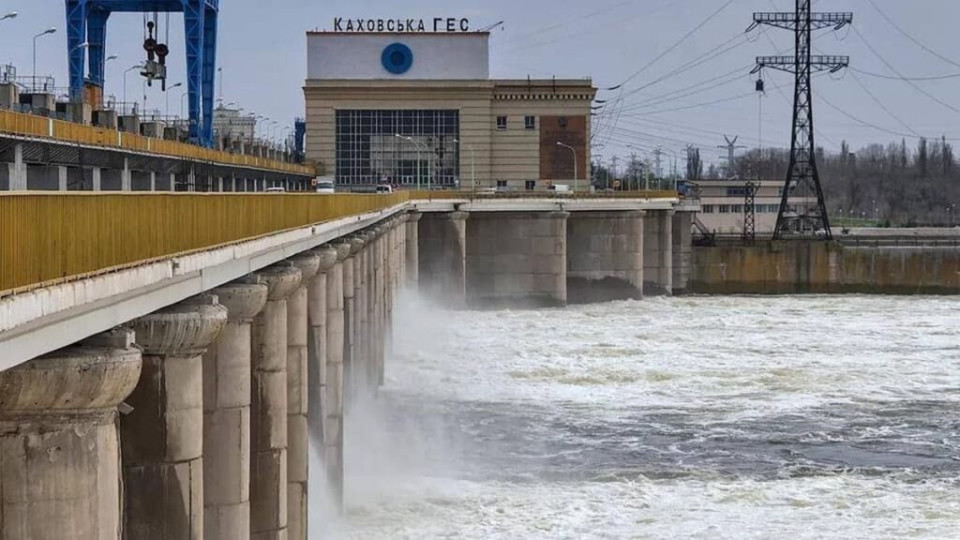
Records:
x=420, y=108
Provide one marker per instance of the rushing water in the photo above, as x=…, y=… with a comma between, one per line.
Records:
x=718, y=417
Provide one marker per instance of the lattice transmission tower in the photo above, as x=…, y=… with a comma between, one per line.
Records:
x=803, y=213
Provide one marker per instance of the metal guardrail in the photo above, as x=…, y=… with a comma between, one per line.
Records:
x=45, y=128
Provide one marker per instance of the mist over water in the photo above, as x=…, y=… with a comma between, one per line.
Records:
x=699, y=417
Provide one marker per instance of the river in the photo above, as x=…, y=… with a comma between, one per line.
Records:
x=695, y=417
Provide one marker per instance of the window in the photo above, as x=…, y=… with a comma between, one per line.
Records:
x=501, y=184
x=724, y=208
x=530, y=185
x=736, y=192
x=369, y=152
x=738, y=209
x=501, y=122
x=709, y=209
x=530, y=122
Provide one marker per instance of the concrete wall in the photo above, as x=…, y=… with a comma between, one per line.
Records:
x=516, y=258
x=822, y=267
x=442, y=252
x=604, y=256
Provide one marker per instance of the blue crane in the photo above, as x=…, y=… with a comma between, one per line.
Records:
x=87, y=23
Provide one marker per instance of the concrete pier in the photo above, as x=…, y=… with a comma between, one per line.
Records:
x=682, y=236
x=412, y=252
x=58, y=440
x=298, y=456
x=605, y=256
x=517, y=259
x=162, y=438
x=658, y=253
x=351, y=268
x=226, y=414
x=268, y=410
x=336, y=345
x=317, y=406
x=443, y=254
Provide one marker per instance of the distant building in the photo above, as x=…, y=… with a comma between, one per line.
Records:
x=722, y=205
x=229, y=124
x=408, y=107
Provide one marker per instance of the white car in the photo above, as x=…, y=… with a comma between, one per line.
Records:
x=326, y=186
x=384, y=188
x=277, y=189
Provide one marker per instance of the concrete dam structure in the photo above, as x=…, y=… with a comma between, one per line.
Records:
x=171, y=378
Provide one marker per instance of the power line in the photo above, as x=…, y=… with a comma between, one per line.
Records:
x=678, y=42
x=871, y=125
x=906, y=80
x=898, y=78
x=910, y=37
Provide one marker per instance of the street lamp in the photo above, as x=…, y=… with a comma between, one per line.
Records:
x=473, y=165
x=183, y=98
x=572, y=149
x=166, y=98
x=50, y=30
x=417, y=144
x=11, y=15
x=128, y=70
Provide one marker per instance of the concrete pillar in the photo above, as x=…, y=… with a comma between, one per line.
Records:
x=162, y=438
x=125, y=176
x=226, y=414
x=336, y=345
x=682, y=250
x=18, y=175
x=62, y=174
x=95, y=176
x=317, y=373
x=60, y=473
x=268, y=408
x=443, y=257
x=412, y=252
x=298, y=451
x=153, y=180
x=605, y=256
x=351, y=318
x=517, y=259
x=363, y=281
x=666, y=252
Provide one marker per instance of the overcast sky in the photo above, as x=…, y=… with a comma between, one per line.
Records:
x=262, y=51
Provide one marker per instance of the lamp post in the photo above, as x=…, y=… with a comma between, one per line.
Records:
x=128, y=70
x=183, y=98
x=414, y=141
x=572, y=149
x=473, y=165
x=50, y=30
x=166, y=97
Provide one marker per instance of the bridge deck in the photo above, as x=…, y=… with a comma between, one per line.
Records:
x=38, y=127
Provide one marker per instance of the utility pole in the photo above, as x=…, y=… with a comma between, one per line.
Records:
x=731, y=147
x=613, y=171
x=750, y=212
x=803, y=212
x=657, y=152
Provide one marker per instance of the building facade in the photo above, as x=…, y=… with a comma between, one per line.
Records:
x=419, y=109
x=723, y=202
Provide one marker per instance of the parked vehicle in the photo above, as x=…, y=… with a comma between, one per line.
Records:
x=325, y=184
x=384, y=188
x=277, y=189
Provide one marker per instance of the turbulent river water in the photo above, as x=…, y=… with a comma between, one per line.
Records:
x=698, y=417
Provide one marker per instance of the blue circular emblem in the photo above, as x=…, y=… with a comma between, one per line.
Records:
x=397, y=58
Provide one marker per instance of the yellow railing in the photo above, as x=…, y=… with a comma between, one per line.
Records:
x=55, y=236
x=47, y=237
x=46, y=128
